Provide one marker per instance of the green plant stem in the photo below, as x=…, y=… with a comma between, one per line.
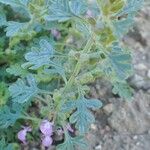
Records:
x=30, y=118
x=45, y=92
x=41, y=99
x=78, y=65
x=76, y=71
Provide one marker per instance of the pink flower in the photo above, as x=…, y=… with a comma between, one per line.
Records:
x=56, y=34
x=46, y=128
x=47, y=141
x=22, y=134
x=89, y=14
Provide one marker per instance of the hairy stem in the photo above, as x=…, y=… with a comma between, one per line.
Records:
x=78, y=65
x=30, y=118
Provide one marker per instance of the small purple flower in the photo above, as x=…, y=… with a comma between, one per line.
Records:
x=89, y=14
x=22, y=134
x=56, y=34
x=46, y=128
x=69, y=128
x=47, y=141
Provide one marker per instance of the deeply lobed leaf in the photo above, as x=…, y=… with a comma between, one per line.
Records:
x=118, y=62
x=22, y=92
x=8, y=116
x=123, y=90
x=63, y=10
x=71, y=143
x=15, y=3
x=13, y=28
x=82, y=117
x=39, y=57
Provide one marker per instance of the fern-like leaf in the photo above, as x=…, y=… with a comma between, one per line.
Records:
x=16, y=70
x=15, y=3
x=22, y=92
x=63, y=10
x=78, y=7
x=118, y=63
x=39, y=57
x=123, y=90
x=59, y=11
x=71, y=143
x=82, y=117
x=126, y=15
x=13, y=28
x=8, y=116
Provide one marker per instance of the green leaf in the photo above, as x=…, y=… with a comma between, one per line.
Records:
x=7, y=146
x=22, y=92
x=126, y=15
x=2, y=143
x=122, y=26
x=63, y=10
x=78, y=7
x=15, y=3
x=13, y=28
x=82, y=116
x=8, y=116
x=4, y=93
x=2, y=17
x=132, y=6
x=59, y=10
x=118, y=63
x=44, y=56
x=84, y=29
x=11, y=147
x=71, y=143
x=58, y=69
x=123, y=90
x=39, y=57
x=16, y=70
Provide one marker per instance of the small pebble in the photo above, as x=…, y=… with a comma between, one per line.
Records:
x=93, y=127
x=135, y=137
x=107, y=128
x=138, y=81
x=98, y=147
x=140, y=67
x=148, y=74
x=138, y=143
x=149, y=132
x=108, y=109
x=102, y=131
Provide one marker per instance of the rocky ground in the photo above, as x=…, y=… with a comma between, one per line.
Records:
x=126, y=125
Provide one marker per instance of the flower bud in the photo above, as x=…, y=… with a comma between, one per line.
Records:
x=89, y=14
x=22, y=134
x=56, y=34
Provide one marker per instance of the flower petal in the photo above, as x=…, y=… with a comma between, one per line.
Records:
x=22, y=134
x=46, y=128
x=47, y=141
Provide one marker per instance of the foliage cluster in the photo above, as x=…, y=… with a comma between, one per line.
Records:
x=50, y=50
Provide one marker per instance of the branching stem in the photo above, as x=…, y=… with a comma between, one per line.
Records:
x=78, y=65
